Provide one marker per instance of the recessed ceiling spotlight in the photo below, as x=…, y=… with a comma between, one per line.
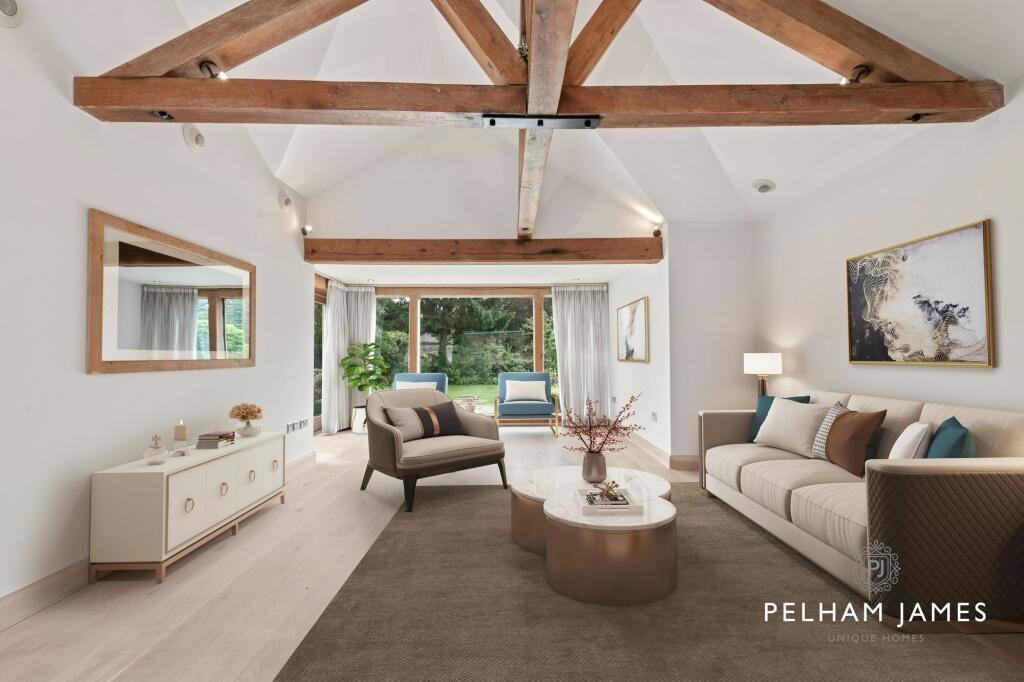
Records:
x=212, y=70
x=575, y=279
x=859, y=73
x=764, y=186
x=307, y=230
x=283, y=200
x=658, y=227
x=194, y=139
x=371, y=280
x=11, y=13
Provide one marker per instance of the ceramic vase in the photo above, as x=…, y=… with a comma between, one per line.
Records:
x=249, y=429
x=594, y=468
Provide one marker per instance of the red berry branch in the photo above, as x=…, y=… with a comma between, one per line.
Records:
x=598, y=432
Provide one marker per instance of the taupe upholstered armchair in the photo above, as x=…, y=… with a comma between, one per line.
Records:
x=416, y=459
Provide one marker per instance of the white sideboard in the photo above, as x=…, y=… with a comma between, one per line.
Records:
x=146, y=517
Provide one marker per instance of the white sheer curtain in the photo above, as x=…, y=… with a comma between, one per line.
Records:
x=169, y=318
x=350, y=316
x=580, y=317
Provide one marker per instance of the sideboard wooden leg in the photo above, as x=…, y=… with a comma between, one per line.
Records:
x=92, y=575
x=161, y=573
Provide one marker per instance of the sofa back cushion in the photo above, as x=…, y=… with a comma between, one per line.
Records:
x=994, y=433
x=899, y=414
x=828, y=398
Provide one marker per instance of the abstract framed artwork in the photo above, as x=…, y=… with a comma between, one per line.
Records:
x=631, y=324
x=924, y=302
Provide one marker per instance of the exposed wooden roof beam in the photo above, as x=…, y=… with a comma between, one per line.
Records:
x=550, y=29
x=596, y=37
x=835, y=40
x=486, y=251
x=235, y=37
x=484, y=39
x=640, y=106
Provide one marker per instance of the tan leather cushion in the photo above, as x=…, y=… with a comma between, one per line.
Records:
x=725, y=461
x=432, y=451
x=849, y=440
x=997, y=434
x=770, y=484
x=899, y=414
x=835, y=513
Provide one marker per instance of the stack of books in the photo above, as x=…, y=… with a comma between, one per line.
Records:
x=622, y=502
x=215, y=439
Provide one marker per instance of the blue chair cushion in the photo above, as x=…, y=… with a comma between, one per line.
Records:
x=526, y=408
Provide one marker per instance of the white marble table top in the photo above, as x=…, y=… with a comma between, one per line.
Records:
x=566, y=507
x=545, y=483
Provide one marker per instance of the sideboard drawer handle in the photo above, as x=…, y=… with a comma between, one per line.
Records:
x=252, y=474
x=275, y=465
x=190, y=504
x=223, y=489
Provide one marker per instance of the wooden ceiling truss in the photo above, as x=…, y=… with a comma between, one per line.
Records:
x=539, y=81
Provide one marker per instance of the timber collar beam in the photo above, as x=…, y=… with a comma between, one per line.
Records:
x=538, y=88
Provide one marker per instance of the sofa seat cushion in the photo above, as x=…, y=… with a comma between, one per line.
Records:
x=771, y=484
x=835, y=513
x=724, y=462
x=526, y=408
x=431, y=452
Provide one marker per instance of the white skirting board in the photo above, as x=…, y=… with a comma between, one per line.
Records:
x=650, y=448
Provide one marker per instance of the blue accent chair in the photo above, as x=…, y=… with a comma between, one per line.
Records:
x=439, y=378
x=527, y=412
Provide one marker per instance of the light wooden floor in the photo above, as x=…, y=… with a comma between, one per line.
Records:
x=237, y=608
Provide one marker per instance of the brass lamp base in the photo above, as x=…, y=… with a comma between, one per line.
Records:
x=762, y=385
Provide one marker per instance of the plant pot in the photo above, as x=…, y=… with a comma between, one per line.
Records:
x=249, y=429
x=594, y=468
x=359, y=419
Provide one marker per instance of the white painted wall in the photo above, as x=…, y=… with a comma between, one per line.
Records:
x=713, y=322
x=947, y=176
x=60, y=424
x=650, y=379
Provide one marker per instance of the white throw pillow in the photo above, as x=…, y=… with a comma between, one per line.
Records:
x=792, y=426
x=913, y=442
x=407, y=385
x=525, y=390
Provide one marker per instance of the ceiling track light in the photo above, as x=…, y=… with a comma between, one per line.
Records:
x=194, y=139
x=859, y=73
x=212, y=70
x=306, y=230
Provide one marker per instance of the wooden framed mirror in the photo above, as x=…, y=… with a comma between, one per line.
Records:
x=159, y=303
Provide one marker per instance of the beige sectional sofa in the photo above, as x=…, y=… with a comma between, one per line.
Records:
x=956, y=525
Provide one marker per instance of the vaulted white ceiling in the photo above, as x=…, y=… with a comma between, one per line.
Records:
x=413, y=182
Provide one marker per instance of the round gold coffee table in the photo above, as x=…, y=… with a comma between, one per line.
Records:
x=529, y=495
x=614, y=559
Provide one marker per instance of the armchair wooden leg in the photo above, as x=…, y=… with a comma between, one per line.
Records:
x=504, y=479
x=366, y=477
x=410, y=492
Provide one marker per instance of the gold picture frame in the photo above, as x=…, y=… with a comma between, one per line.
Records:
x=857, y=357
x=623, y=351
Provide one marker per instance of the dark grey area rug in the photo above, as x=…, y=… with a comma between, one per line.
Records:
x=444, y=594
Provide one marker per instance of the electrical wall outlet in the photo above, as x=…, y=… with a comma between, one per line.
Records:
x=654, y=416
x=295, y=426
x=613, y=400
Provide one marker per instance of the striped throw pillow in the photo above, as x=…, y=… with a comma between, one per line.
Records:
x=818, y=449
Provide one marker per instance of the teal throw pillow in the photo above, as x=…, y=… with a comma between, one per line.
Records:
x=764, y=403
x=949, y=440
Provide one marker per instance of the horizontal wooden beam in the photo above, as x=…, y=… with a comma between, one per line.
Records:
x=484, y=39
x=704, y=106
x=835, y=40
x=188, y=100
x=235, y=37
x=622, y=106
x=484, y=251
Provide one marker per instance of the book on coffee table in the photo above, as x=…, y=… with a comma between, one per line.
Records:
x=594, y=503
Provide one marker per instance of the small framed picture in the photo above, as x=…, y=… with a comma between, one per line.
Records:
x=632, y=334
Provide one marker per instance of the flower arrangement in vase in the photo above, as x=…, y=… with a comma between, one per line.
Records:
x=247, y=413
x=598, y=434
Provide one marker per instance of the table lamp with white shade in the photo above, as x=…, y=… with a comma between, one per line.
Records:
x=762, y=364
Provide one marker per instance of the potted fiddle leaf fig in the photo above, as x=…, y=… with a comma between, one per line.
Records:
x=365, y=371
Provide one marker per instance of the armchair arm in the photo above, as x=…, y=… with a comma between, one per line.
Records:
x=957, y=529
x=721, y=427
x=478, y=425
x=385, y=442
